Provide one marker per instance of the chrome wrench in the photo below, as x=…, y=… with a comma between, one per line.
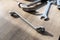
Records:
x=41, y=29
x=45, y=13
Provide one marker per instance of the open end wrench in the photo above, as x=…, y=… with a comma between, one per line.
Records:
x=41, y=29
x=45, y=13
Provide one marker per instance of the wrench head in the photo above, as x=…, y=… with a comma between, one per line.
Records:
x=19, y=5
x=22, y=5
x=44, y=17
x=13, y=14
x=40, y=30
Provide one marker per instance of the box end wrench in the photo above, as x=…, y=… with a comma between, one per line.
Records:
x=45, y=13
x=41, y=29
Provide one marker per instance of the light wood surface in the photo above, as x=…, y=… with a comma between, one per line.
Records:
x=16, y=29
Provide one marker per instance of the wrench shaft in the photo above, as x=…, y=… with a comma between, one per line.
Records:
x=47, y=8
x=27, y=22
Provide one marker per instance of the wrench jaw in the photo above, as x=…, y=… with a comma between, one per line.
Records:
x=45, y=17
x=19, y=5
x=22, y=5
x=42, y=17
x=40, y=30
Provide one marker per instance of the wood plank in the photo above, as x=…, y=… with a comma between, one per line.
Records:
x=16, y=29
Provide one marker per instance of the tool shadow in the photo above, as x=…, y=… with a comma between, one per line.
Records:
x=47, y=34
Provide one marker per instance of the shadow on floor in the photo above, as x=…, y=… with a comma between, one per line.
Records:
x=18, y=34
x=47, y=34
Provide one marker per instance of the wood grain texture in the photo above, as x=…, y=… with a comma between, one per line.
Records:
x=16, y=29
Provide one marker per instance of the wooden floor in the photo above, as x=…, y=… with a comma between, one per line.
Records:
x=16, y=29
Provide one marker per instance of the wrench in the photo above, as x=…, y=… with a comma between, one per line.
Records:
x=27, y=5
x=41, y=29
x=45, y=13
x=35, y=2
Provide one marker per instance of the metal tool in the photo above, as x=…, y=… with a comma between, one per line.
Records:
x=41, y=29
x=45, y=13
x=29, y=7
x=58, y=4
